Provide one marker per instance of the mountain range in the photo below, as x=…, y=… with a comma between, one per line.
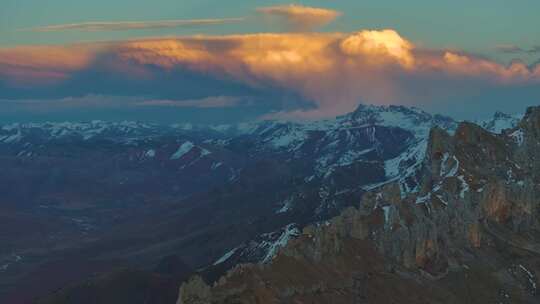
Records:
x=469, y=235
x=127, y=211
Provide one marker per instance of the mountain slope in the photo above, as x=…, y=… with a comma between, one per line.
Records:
x=471, y=233
x=215, y=196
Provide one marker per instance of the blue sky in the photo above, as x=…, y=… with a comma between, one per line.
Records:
x=475, y=26
x=448, y=53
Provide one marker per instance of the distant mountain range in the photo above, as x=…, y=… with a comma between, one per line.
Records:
x=87, y=199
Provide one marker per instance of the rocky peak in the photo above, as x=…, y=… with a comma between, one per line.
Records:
x=501, y=115
x=531, y=122
x=468, y=132
x=439, y=141
x=500, y=122
x=393, y=115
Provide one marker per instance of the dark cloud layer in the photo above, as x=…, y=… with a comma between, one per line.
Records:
x=514, y=49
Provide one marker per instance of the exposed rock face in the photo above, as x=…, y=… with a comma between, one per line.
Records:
x=479, y=205
x=194, y=291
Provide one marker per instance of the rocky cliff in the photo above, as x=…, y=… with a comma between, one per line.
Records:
x=469, y=235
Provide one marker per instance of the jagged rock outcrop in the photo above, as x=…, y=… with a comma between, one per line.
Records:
x=478, y=205
x=195, y=291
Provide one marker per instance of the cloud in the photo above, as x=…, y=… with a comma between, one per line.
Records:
x=299, y=17
x=94, y=101
x=332, y=71
x=207, y=102
x=132, y=25
x=34, y=65
x=534, y=50
x=211, y=109
x=514, y=49
x=90, y=101
x=382, y=44
x=509, y=49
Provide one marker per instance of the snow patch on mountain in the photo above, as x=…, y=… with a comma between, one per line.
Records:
x=150, y=153
x=500, y=122
x=286, y=205
x=518, y=137
x=12, y=138
x=216, y=165
x=182, y=150
x=291, y=231
x=263, y=248
x=205, y=152
x=226, y=256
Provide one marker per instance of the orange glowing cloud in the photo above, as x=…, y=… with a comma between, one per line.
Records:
x=165, y=53
x=383, y=45
x=333, y=70
x=30, y=65
x=471, y=66
x=299, y=17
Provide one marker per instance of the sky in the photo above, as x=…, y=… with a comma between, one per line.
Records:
x=217, y=62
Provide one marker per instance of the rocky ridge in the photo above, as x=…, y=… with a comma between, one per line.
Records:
x=471, y=233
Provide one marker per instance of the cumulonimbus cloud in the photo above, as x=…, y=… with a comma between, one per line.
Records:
x=299, y=17
x=335, y=71
x=132, y=25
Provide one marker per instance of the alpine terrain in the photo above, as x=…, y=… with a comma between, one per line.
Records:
x=128, y=211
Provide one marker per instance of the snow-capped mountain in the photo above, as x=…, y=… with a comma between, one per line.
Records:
x=225, y=194
x=16, y=132
x=470, y=234
x=394, y=136
x=355, y=152
x=500, y=122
